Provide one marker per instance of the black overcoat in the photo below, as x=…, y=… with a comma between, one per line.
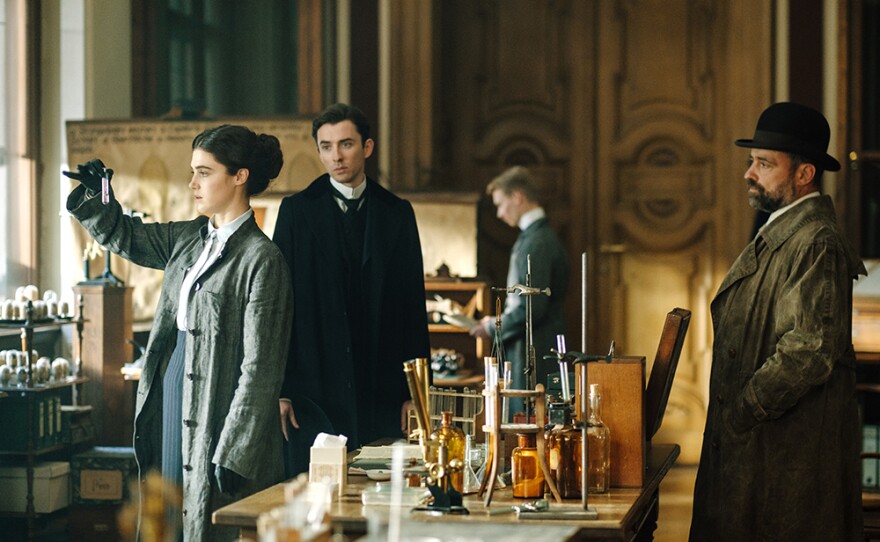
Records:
x=320, y=367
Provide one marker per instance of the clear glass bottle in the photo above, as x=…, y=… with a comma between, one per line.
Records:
x=525, y=470
x=564, y=451
x=475, y=463
x=454, y=445
x=599, y=437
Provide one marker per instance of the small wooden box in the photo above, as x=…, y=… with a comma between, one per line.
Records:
x=101, y=475
x=622, y=409
x=96, y=523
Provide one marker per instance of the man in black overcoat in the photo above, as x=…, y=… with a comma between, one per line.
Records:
x=359, y=296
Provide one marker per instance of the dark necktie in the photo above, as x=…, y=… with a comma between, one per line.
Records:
x=351, y=205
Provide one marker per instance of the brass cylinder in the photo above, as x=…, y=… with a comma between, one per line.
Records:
x=415, y=391
x=422, y=368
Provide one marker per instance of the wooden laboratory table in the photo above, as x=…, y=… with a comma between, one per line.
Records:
x=623, y=513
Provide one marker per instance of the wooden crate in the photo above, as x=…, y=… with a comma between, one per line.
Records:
x=622, y=389
x=94, y=522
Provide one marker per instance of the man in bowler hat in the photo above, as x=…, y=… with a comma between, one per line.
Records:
x=780, y=456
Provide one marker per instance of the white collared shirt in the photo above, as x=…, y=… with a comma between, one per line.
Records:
x=530, y=217
x=349, y=192
x=778, y=212
x=215, y=242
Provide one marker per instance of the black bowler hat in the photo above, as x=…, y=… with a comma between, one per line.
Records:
x=794, y=128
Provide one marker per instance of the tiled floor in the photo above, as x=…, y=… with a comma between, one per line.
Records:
x=676, y=502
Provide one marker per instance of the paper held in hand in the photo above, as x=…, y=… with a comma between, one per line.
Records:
x=460, y=320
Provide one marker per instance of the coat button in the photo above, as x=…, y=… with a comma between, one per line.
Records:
x=719, y=398
x=184, y=512
x=731, y=352
x=190, y=376
x=715, y=444
x=187, y=468
x=198, y=286
x=194, y=332
x=189, y=423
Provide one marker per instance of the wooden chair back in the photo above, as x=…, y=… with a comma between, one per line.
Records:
x=663, y=370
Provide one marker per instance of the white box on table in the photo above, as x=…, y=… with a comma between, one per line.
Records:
x=329, y=463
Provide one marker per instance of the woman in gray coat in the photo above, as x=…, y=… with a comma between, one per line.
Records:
x=207, y=400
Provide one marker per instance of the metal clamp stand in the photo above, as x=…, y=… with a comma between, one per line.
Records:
x=587, y=513
x=530, y=369
x=494, y=429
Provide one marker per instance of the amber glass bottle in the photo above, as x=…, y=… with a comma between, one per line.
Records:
x=564, y=451
x=454, y=444
x=525, y=470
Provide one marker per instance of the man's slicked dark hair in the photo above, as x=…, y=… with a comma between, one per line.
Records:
x=339, y=112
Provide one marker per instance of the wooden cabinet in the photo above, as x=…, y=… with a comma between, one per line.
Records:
x=472, y=297
x=106, y=348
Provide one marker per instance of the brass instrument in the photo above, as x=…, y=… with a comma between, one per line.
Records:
x=438, y=472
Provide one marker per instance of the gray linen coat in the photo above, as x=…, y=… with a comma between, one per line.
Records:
x=239, y=320
x=780, y=457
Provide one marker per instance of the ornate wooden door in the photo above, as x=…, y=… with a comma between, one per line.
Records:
x=627, y=110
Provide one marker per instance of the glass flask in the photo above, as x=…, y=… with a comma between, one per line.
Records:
x=474, y=465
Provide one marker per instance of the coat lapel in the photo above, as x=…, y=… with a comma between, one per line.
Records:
x=775, y=234
x=380, y=233
x=746, y=264
x=192, y=252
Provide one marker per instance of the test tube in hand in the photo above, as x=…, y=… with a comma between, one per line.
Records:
x=105, y=186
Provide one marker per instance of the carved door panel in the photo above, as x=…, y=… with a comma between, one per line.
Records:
x=671, y=211
x=516, y=89
x=627, y=111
